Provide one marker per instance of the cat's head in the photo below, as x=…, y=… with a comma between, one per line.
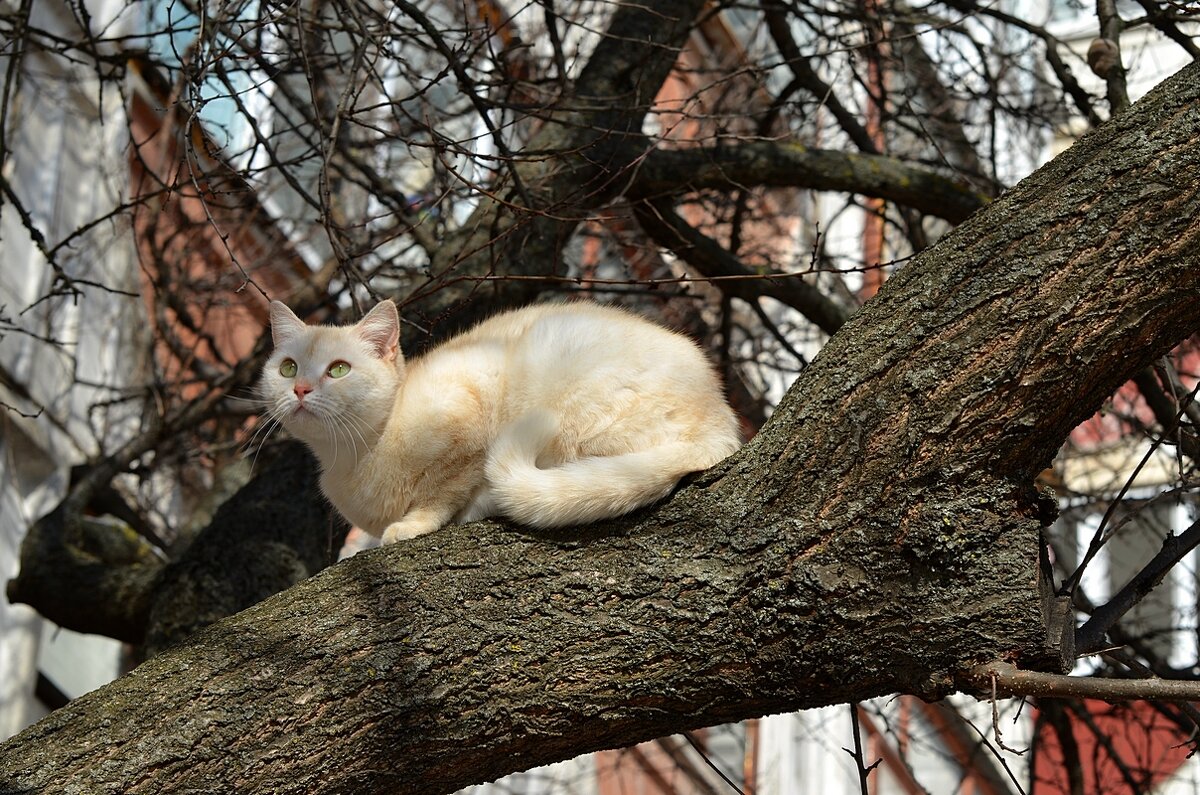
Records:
x=333, y=386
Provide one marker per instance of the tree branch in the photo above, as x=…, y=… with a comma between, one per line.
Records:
x=578, y=160
x=1090, y=637
x=1111, y=26
x=667, y=172
x=714, y=261
x=1166, y=413
x=1011, y=681
x=780, y=29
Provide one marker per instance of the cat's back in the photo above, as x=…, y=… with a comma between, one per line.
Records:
x=516, y=324
x=581, y=353
x=580, y=321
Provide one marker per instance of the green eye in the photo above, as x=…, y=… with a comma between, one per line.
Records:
x=287, y=368
x=338, y=369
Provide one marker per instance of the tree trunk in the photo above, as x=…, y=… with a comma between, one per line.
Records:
x=881, y=534
x=577, y=162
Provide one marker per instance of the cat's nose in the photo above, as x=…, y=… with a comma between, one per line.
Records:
x=301, y=389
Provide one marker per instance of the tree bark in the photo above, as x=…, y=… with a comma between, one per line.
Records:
x=881, y=534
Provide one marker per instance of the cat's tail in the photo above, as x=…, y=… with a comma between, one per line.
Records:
x=587, y=489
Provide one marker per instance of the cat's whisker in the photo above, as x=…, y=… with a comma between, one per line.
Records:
x=338, y=429
x=272, y=424
x=261, y=427
x=352, y=424
x=351, y=442
x=268, y=422
x=332, y=422
x=331, y=427
x=253, y=401
x=357, y=425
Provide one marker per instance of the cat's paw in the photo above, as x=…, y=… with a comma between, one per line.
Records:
x=406, y=529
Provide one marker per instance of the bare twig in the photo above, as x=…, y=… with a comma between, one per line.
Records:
x=1004, y=679
x=863, y=769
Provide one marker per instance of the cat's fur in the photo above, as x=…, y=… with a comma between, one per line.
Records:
x=551, y=415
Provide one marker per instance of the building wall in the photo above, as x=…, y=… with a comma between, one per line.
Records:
x=66, y=170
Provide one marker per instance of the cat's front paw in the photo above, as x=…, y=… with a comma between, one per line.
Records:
x=404, y=530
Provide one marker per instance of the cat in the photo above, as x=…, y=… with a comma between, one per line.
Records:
x=552, y=415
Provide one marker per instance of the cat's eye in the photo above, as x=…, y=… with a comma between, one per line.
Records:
x=338, y=369
x=287, y=368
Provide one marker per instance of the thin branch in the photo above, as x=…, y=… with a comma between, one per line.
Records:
x=1078, y=95
x=1091, y=637
x=1162, y=21
x=1012, y=681
x=1104, y=740
x=985, y=774
x=781, y=33
x=698, y=748
x=1056, y=716
x=14, y=410
x=859, y=761
x=711, y=259
x=1167, y=412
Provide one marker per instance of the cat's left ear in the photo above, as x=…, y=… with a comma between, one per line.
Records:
x=381, y=330
x=284, y=323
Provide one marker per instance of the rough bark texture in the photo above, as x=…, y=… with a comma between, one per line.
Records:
x=881, y=534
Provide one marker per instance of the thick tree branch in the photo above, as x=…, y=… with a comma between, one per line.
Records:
x=666, y=172
x=86, y=574
x=97, y=577
x=1111, y=26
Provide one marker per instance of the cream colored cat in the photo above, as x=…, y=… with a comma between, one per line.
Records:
x=551, y=415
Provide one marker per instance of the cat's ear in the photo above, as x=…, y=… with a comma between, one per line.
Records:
x=381, y=330
x=284, y=323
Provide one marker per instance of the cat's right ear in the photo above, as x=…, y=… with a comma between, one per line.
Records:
x=381, y=330
x=284, y=323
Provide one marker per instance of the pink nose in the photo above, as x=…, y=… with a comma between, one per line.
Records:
x=301, y=389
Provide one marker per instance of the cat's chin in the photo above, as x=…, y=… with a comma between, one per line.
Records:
x=306, y=426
